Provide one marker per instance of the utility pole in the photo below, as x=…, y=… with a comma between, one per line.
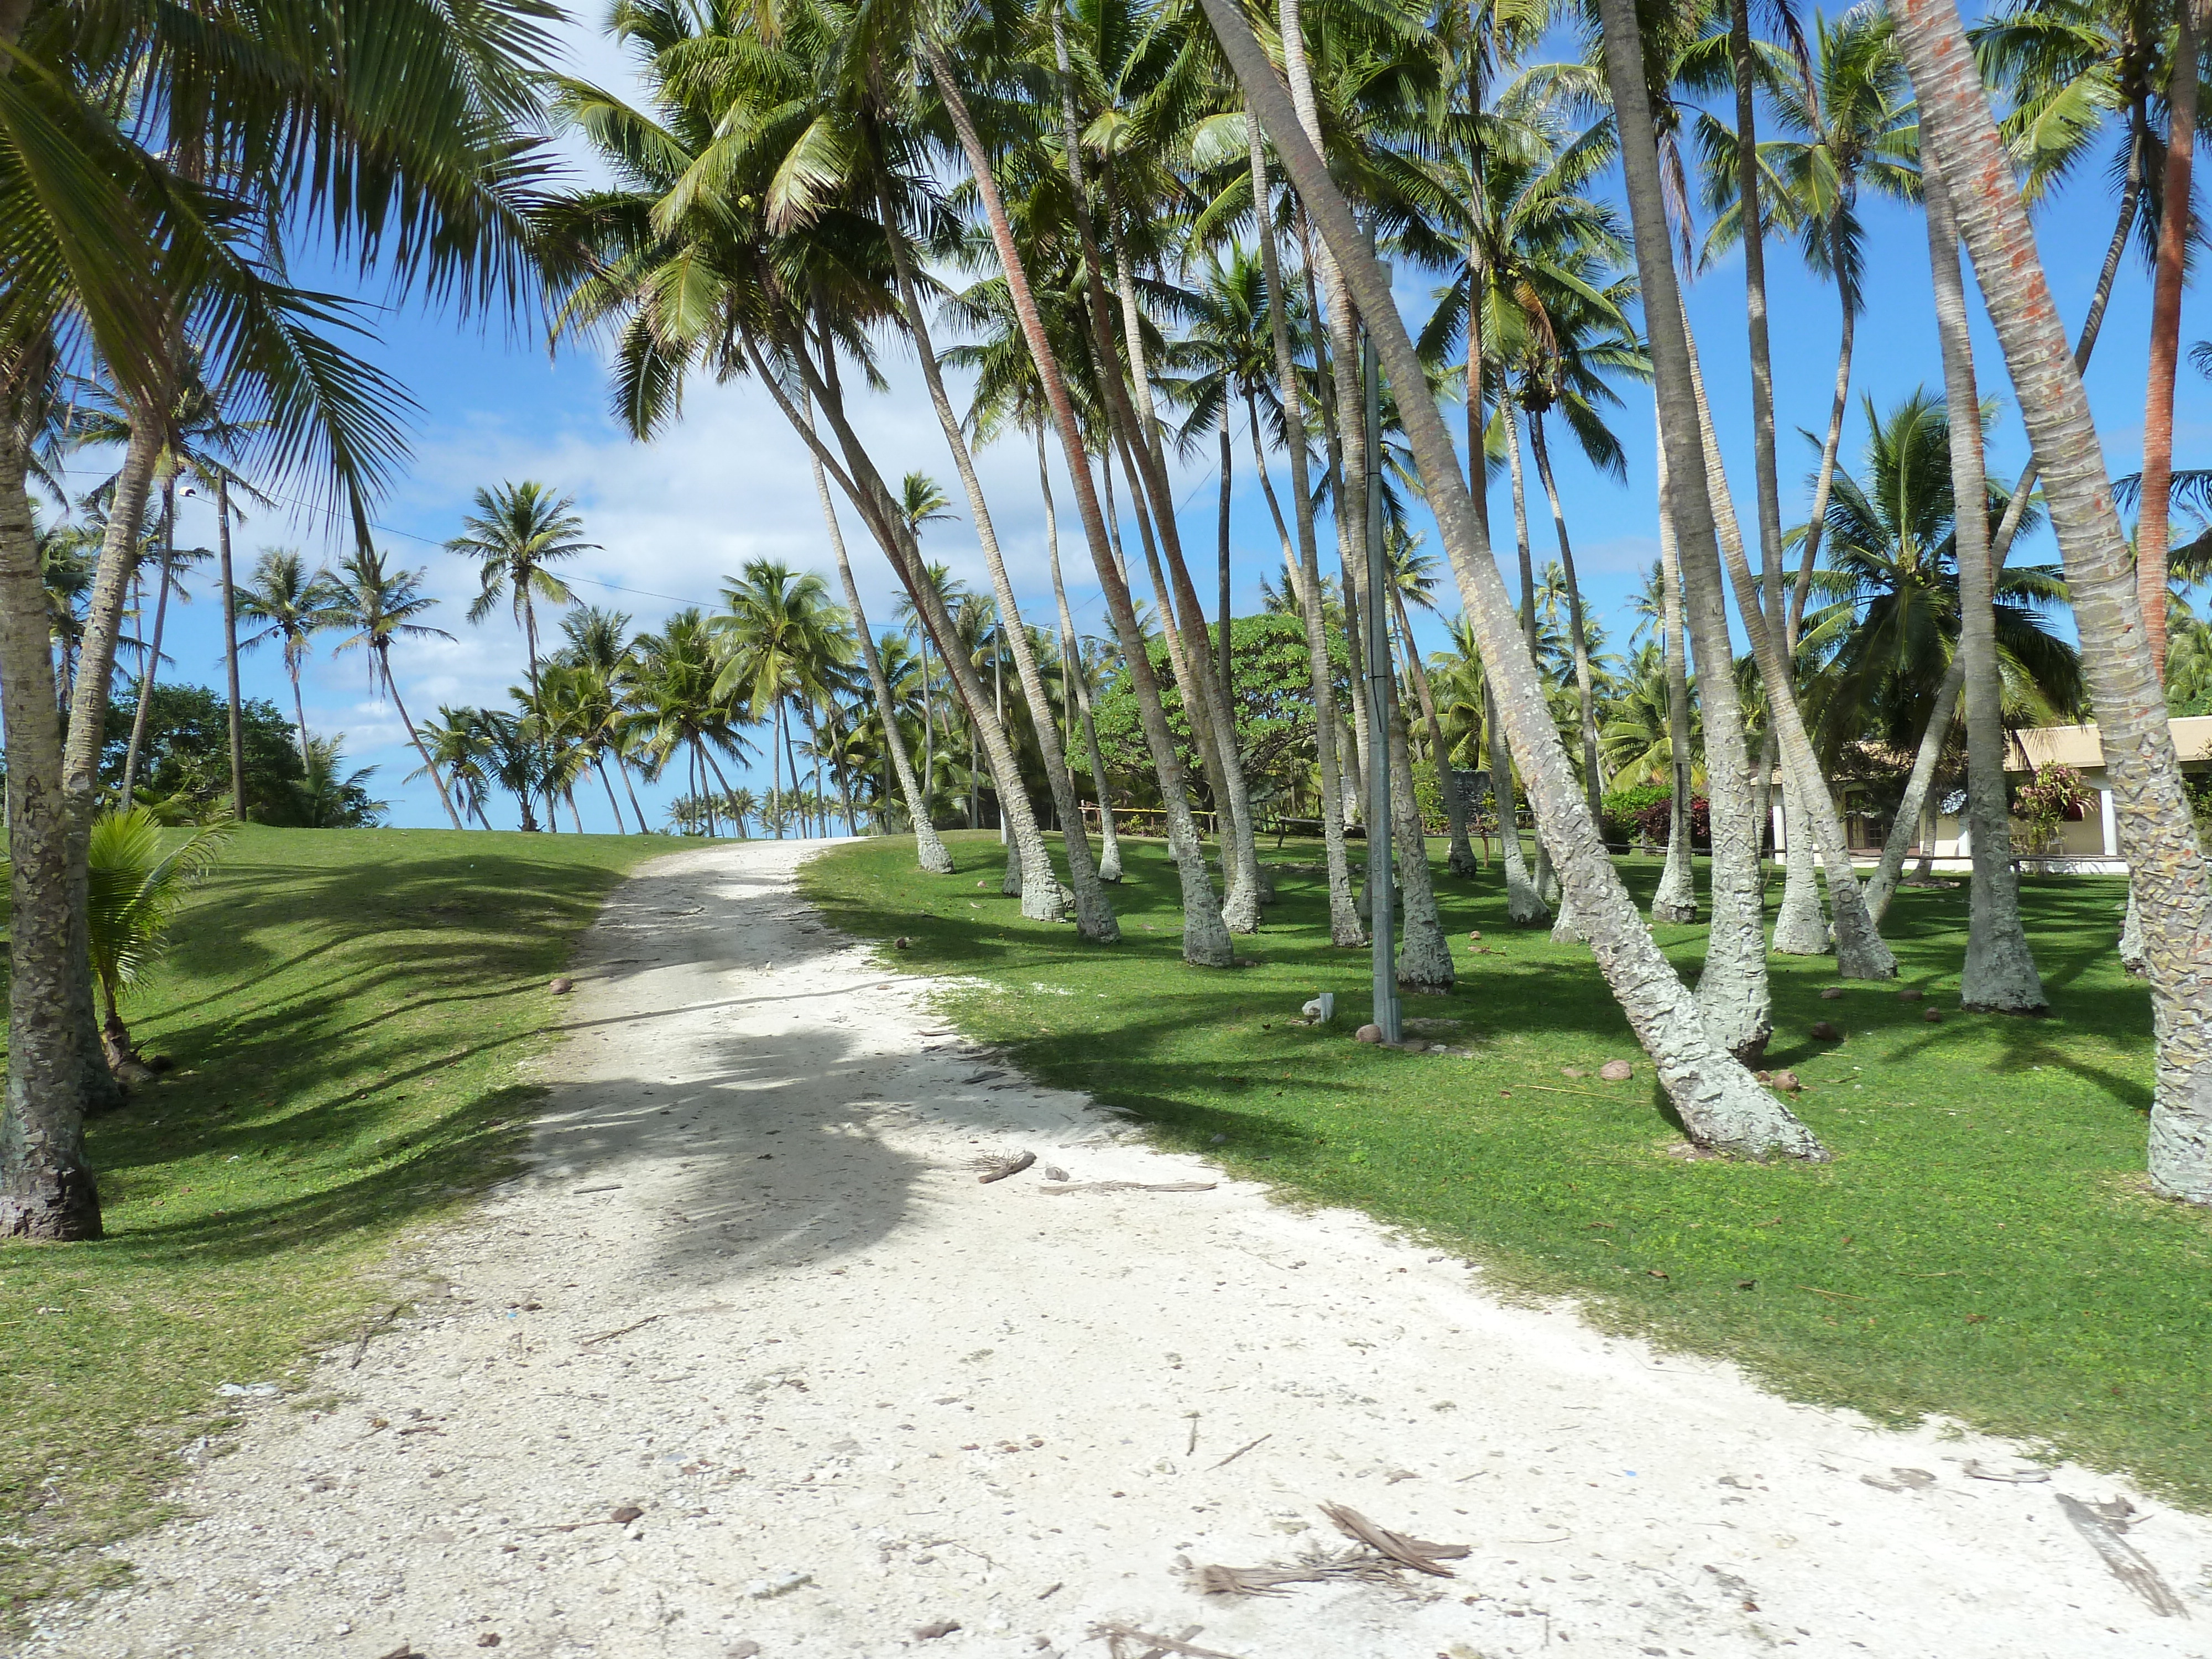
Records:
x=1382, y=889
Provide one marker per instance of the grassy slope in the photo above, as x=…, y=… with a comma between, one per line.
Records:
x=346, y=1010
x=1982, y=1244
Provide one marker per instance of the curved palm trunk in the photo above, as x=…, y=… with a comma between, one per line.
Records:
x=1676, y=897
x=1717, y=1100
x=1206, y=941
x=871, y=498
x=928, y=847
x=1881, y=886
x=46, y=1188
x=2157, y=831
x=88, y=716
x=143, y=718
x=1344, y=927
x=2000, y=973
x=1094, y=916
x=607, y=784
x=1205, y=702
x=383, y=667
x=1223, y=645
x=1075, y=692
x=2173, y=234
x=236, y=714
x=1860, y=951
x=299, y=711
x=629, y=793
x=1593, y=782
x=1447, y=784
x=1526, y=902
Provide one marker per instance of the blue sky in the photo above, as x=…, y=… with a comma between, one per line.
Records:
x=730, y=482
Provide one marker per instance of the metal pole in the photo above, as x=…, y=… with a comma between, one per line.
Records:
x=998, y=698
x=1380, y=887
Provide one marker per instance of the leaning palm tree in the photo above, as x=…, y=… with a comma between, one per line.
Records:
x=380, y=606
x=458, y=743
x=515, y=533
x=2169, y=874
x=292, y=605
x=1719, y=1102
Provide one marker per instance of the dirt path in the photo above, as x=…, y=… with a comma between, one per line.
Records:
x=754, y=1294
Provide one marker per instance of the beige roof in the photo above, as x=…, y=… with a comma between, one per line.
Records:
x=2078, y=746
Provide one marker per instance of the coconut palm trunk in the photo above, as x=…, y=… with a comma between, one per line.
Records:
x=928, y=846
x=1094, y=916
x=1860, y=951
x=2000, y=974
x=1206, y=706
x=2157, y=831
x=1206, y=940
x=46, y=1188
x=1585, y=688
x=1439, y=752
x=1676, y=899
x=1526, y=902
x=142, y=719
x=871, y=498
x=1881, y=886
x=234, y=711
x=1424, y=959
x=1075, y=692
x=1344, y=926
x=2174, y=230
x=384, y=670
x=1717, y=1100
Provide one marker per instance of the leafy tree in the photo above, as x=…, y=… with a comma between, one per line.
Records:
x=185, y=763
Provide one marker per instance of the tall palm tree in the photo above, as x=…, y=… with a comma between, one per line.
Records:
x=458, y=741
x=380, y=605
x=929, y=848
x=1205, y=938
x=674, y=708
x=1719, y=1102
x=1345, y=930
x=516, y=532
x=292, y=605
x=2000, y=974
x=151, y=203
x=780, y=639
x=2168, y=871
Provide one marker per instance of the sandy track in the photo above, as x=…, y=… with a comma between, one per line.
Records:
x=753, y=1288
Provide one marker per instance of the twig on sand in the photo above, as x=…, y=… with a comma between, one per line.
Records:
x=2101, y=1524
x=1134, y=1187
x=1241, y=1450
x=1115, y=1634
x=999, y=1168
x=370, y=1329
x=608, y=1336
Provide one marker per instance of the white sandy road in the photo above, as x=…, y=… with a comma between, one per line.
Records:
x=994, y=1405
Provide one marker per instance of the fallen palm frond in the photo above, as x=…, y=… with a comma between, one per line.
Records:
x=1377, y=1556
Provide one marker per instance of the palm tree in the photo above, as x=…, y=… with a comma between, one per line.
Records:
x=331, y=798
x=1717, y=1099
x=140, y=877
x=673, y=706
x=458, y=742
x=380, y=606
x=173, y=562
x=516, y=532
x=152, y=235
x=292, y=605
x=929, y=849
x=1882, y=645
x=781, y=641
x=1345, y=930
x=1094, y=917
x=2170, y=882
x=2000, y=973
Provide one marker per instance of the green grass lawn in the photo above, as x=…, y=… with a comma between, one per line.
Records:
x=1983, y=1244
x=346, y=1010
